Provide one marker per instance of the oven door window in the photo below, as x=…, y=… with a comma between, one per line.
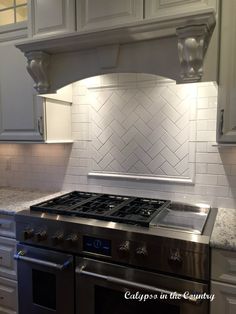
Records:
x=113, y=301
x=44, y=289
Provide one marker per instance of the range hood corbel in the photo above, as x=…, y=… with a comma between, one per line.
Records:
x=37, y=66
x=173, y=48
x=193, y=41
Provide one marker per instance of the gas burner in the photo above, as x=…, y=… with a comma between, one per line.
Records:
x=130, y=210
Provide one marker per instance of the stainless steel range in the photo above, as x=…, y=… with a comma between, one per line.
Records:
x=88, y=253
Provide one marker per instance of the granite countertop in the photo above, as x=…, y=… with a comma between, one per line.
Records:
x=224, y=231
x=13, y=200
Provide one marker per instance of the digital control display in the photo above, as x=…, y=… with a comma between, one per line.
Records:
x=97, y=245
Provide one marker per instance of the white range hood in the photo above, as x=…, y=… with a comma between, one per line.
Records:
x=173, y=48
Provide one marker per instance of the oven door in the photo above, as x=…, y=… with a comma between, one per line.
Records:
x=45, y=281
x=103, y=288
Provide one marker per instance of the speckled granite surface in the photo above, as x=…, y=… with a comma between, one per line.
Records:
x=13, y=200
x=223, y=235
x=224, y=232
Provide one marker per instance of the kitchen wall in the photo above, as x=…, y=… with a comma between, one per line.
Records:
x=156, y=137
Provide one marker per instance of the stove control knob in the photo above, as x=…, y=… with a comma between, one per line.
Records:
x=175, y=256
x=72, y=239
x=57, y=238
x=124, y=248
x=141, y=251
x=28, y=233
x=41, y=236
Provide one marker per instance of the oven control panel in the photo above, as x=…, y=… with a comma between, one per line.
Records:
x=97, y=245
x=154, y=253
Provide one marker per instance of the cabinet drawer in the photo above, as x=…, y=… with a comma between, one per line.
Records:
x=7, y=226
x=223, y=266
x=7, y=262
x=8, y=296
x=225, y=298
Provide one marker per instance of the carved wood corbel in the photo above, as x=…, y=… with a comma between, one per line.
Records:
x=37, y=66
x=193, y=41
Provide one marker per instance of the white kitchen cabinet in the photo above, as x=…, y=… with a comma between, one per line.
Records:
x=169, y=8
x=226, y=116
x=223, y=284
x=92, y=15
x=8, y=272
x=48, y=18
x=225, y=298
x=24, y=116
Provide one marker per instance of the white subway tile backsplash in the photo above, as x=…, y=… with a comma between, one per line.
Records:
x=206, y=179
x=201, y=168
x=223, y=180
x=205, y=135
x=202, y=103
x=143, y=126
x=201, y=147
x=217, y=191
x=218, y=169
x=208, y=158
x=206, y=114
x=209, y=90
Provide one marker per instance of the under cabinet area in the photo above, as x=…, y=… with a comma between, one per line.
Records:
x=223, y=283
x=24, y=116
x=8, y=272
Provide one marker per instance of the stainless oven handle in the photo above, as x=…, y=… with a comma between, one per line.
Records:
x=21, y=256
x=138, y=285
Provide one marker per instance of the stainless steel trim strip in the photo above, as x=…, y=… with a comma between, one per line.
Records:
x=111, y=279
x=20, y=256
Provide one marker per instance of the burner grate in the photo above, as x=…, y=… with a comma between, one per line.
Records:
x=138, y=211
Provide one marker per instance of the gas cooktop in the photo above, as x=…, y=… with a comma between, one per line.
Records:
x=130, y=210
x=138, y=211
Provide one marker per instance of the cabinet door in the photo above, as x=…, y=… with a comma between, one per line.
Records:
x=225, y=298
x=7, y=263
x=223, y=266
x=107, y=13
x=7, y=226
x=20, y=110
x=226, y=117
x=168, y=8
x=8, y=296
x=54, y=17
